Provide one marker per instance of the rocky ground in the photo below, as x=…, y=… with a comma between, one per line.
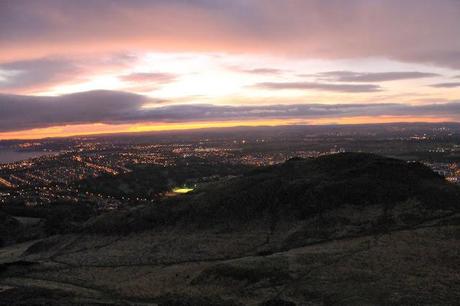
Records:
x=405, y=267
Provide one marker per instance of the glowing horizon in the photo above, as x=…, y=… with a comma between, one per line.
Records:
x=105, y=129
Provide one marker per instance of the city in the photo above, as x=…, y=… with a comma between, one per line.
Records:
x=58, y=175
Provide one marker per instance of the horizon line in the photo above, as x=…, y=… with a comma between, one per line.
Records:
x=219, y=128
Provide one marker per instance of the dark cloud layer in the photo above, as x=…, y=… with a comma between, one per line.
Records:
x=26, y=112
x=446, y=85
x=350, y=76
x=356, y=88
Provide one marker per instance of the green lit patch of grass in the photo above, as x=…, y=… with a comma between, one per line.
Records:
x=182, y=190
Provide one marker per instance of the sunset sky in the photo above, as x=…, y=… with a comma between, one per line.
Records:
x=105, y=66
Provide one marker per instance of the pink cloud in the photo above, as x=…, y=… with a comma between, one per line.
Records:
x=411, y=30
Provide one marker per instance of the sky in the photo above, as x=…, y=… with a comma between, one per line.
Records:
x=111, y=66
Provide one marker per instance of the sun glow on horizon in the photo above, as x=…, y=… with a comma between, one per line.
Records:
x=102, y=129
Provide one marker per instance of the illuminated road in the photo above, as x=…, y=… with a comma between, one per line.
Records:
x=6, y=183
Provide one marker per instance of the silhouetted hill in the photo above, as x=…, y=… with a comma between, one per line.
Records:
x=346, y=193
x=301, y=188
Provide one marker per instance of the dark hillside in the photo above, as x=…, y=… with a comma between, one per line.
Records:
x=147, y=181
x=329, y=191
x=9, y=228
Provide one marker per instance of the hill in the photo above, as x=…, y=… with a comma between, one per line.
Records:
x=344, y=229
x=332, y=191
x=9, y=228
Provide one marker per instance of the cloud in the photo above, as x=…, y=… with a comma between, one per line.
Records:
x=144, y=82
x=111, y=107
x=33, y=73
x=26, y=112
x=357, y=88
x=446, y=85
x=350, y=76
x=422, y=31
x=144, y=77
x=260, y=70
x=37, y=74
